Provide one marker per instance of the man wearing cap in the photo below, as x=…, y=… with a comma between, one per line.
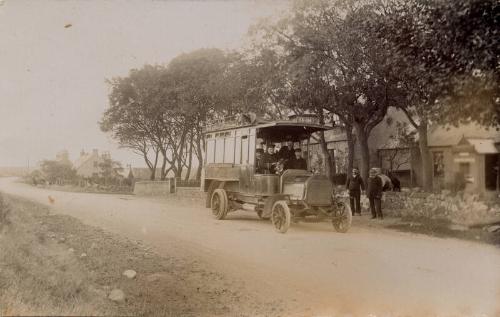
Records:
x=297, y=162
x=269, y=159
x=374, y=193
x=355, y=185
x=286, y=151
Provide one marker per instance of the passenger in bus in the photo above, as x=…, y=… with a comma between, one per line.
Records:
x=269, y=160
x=280, y=166
x=297, y=162
x=286, y=151
x=259, y=164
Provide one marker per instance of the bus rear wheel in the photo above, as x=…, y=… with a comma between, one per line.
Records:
x=219, y=203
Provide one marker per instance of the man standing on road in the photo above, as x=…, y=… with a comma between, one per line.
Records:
x=355, y=185
x=374, y=193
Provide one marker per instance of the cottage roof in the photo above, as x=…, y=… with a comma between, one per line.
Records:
x=82, y=160
x=451, y=136
x=483, y=146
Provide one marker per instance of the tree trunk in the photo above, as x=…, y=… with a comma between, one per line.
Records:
x=152, y=166
x=190, y=158
x=328, y=159
x=199, y=153
x=163, y=173
x=425, y=156
x=498, y=174
x=350, y=148
x=362, y=137
x=180, y=154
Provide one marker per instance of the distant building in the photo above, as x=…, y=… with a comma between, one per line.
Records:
x=469, y=151
x=87, y=164
x=63, y=157
x=382, y=143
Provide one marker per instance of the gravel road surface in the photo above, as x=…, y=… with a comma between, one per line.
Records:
x=311, y=270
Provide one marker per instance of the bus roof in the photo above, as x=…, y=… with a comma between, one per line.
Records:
x=282, y=130
x=267, y=124
x=278, y=130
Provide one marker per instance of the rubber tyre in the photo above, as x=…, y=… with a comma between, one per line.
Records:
x=219, y=204
x=342, y=218
x=281, y=216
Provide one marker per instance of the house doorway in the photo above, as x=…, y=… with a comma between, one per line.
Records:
x=491, y=172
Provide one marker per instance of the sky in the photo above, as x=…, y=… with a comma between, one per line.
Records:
x=52, y=75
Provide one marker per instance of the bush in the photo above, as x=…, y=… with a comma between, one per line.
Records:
x=458, y=185
x=55, y=171
x=4, y=213
x=340, y=179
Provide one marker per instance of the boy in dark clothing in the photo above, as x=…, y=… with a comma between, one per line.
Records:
x=374, y=193
x=355, y=185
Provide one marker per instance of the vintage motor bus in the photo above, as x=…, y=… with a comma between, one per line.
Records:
x=231, y=181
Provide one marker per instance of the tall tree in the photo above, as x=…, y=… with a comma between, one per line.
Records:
x=131, y=117
x=195, y=87
x=331, y=39
x=109, y=170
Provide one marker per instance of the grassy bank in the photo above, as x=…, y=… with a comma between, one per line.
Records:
x=55, y=265
x=38, y=276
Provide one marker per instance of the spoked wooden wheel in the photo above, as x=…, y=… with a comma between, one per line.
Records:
x=260, y=213
x=280, y=216
x=219, y=203
x=342, y=217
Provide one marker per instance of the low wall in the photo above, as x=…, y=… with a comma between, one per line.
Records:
x=190, y=192
x=154, y=188
x=465, y=209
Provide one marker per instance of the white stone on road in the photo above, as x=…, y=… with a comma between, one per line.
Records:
x=130, y=273
x=117, y=295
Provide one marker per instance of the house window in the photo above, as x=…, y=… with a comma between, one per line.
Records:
x=464, y=169
x=438, y=163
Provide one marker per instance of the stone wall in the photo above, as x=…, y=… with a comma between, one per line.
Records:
x=465, y=209
x=154, y=188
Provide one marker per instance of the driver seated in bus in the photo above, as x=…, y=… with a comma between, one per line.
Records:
x=286, y=151
x=297, y=162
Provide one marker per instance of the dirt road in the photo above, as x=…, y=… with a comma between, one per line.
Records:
x=311, y=270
